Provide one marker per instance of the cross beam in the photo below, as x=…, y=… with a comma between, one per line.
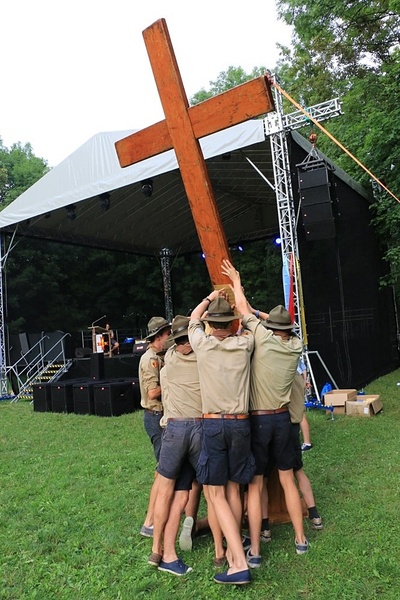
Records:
x=181, y=130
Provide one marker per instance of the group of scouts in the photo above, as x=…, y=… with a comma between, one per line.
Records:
x=222, y=408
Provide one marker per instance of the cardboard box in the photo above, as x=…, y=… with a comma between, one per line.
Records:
x=339, y=397
x=364, y=406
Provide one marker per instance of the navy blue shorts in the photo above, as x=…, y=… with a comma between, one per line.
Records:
x=272, y=442
x=154, y=430
x=225, y=453
x=180, y=451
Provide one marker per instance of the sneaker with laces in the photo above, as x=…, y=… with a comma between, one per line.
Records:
x=186, y=537
x=305, y=447
x=253, y=560
x=266, y=535
x=246, y=542
x=146, y=531
x=176, y=567
x=316, y=523
x=301, y=548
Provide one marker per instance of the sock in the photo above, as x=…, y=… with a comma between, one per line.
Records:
x=313, y=513
x=265, y=524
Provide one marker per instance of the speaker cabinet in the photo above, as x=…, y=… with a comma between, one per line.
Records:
x=83, y=398
x=62, y=396
x=83, y=352
x=115, y=398
x=316, y=204
x=97, y=365
x=42, y=397
x=324, y=230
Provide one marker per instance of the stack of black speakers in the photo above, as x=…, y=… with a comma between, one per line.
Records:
x=94, y=396
x=317, y=200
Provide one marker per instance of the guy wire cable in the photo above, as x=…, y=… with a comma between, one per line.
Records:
x=359, y=163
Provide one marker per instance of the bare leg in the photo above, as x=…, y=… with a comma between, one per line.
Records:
x=192, y=505
x=293, y=503
x=172, y=526
x=227, y=520
x=149, y=520
x=215, y=528
x=305, y=488
x=162, y=510
x=305, y=430
x=254, y=512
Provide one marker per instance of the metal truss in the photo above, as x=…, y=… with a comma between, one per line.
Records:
x=277, y=126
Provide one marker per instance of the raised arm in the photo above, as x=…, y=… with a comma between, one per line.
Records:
x=241, y=302
x=201, y=308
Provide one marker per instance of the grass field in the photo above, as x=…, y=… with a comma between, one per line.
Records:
x=74, y=490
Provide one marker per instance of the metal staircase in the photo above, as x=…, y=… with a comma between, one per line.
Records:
x=44, y=367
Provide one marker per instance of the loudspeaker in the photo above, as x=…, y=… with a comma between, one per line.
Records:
x=315, y=213
x=324, y=230
x=62, y=396
x=114, y=398
x=97, y=365
x=316, y=204
x=82, y=352
x=83, y=398
x=42, y=397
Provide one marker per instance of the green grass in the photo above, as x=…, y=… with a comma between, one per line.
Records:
x=74, y=491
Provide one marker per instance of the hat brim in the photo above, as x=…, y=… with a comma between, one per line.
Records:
x=225, y=319
x=270, y=325
x=154, y=333
x=179, y=334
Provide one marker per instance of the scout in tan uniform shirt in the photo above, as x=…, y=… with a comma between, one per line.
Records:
x=149, y=380
x=274, y=365
x=225, y=459
x=180, y=447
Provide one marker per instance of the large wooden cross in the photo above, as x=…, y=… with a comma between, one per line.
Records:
x=182, y=129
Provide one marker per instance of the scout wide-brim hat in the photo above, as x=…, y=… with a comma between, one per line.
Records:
x=220, y=311
x=279, y=318
x=155, y=325
x=179, y=327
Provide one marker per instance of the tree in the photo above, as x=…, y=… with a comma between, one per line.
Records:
x=19, y=170
x=351, y=50
x=226, y=80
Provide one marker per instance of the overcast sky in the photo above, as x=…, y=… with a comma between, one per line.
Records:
x=72, y=69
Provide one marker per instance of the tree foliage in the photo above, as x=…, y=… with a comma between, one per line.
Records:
x=226, y=80
x=352, y=50
x=19, y=169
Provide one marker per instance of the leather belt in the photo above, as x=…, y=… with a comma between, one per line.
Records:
x=156, y=413
x=224, y=416
x=184, y=419
x=257, y=413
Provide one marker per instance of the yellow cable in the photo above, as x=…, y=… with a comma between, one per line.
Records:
x=333, y=139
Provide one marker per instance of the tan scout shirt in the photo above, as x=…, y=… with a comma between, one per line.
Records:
x=273, y=367
x=184, y=397
x=149, y=378
x=296, y=404
x=224, y=369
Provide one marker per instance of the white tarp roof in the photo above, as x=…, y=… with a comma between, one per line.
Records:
x=94, y=168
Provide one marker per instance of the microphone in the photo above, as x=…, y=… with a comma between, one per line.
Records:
x=103, y=317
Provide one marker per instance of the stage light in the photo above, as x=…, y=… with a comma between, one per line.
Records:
x=104, y=201
x=71, y=214
x=277, y=241
x=240, y=248
x=147, y=187
x=203, y=256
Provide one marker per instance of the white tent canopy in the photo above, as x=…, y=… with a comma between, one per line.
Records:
x=94, y=169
